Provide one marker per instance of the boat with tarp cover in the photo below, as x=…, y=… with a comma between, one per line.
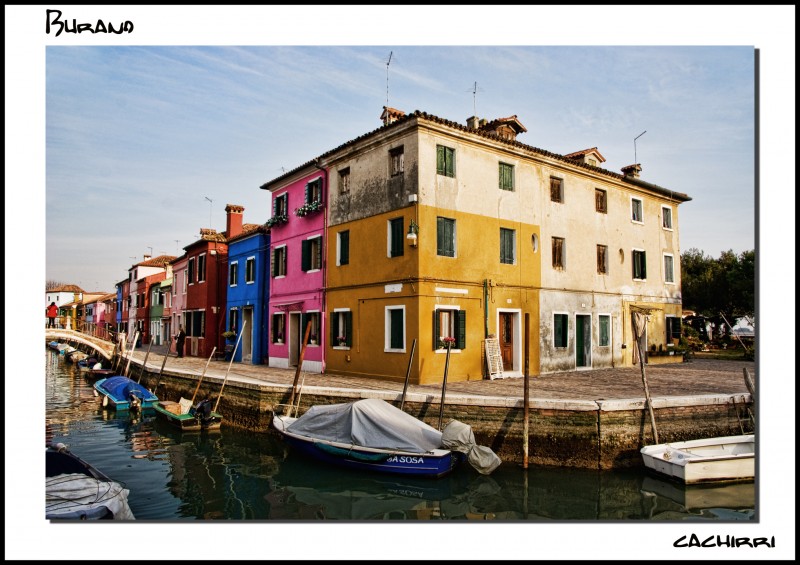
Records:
x=123, y=393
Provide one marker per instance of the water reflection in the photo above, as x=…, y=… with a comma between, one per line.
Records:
x=236, y=475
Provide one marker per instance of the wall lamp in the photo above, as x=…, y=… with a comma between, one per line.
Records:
x=413, y=229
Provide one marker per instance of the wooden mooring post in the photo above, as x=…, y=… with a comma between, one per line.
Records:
x=526, y=402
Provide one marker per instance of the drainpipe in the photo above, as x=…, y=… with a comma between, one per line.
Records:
x=485, y=308
x=323, y=324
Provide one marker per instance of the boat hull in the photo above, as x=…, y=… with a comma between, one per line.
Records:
x=117, y=390
x=432, y=464
x=186, y=422
x=713, y=460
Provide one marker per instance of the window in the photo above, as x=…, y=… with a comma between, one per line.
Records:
x=600, y=201
x=250, y=270
x=636, y=210
x=673, y=325
x=602, y=259
x=395, y=329
x=185, y=279
x=313, y=191
x=604, y=321
x=395, y=237
x=449, y=322
x=639, y=265
x=280, y=205
x=666, y=217
x=314, y=333
x=556, y=189
x=191, y=270
x=343, y=248
x=560, y=328
x=508, y=242
x=592, y=162
x=201, y=267
x=194, y=321
x=558, y=253
x=445, y=161
x=344, y=181
x=233, y=273
x=278, y=328
x=311, y=259
x=506, y=176
x=342, y=328
x=669, y=271
x=396, y=158
x=445, y=237
x=233, y=319
x=278, y=266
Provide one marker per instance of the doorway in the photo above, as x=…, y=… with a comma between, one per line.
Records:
x=247, y=336
x=293, y=338
x=583, y=340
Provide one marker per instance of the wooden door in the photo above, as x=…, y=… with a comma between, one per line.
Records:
x=507, y=340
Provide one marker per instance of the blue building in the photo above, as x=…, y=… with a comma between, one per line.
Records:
x=248, y=291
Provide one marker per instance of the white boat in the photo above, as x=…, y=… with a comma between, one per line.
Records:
x=718, y=459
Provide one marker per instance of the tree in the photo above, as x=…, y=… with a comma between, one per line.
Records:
x=51, y=284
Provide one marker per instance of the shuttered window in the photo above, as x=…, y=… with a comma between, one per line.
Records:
x=342, y=329
x=560, y=328
x=396, y=237
x=506, y=176
x=450, y=322
x=445, y=161
x=507, y=246
x=311, y=254
x=445, y=237
x=639, y=265
x=343, y=249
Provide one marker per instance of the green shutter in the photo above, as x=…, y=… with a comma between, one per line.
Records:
x=397, y=237
x=461, y=329
x=305, y=260
x=334, y=325
x=440, y=237
x=344, y=249
x=440, y=160
x=319, y=253
x=307, y=197
x=450, y=162
x=272, y=263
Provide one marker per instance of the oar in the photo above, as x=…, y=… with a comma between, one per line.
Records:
x=141, y=372
x=135, y=339
x=161, y=371
x=204, y=373
x=233, y=354
x=444, y=385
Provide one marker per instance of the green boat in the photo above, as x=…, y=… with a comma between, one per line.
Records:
x=186, y=417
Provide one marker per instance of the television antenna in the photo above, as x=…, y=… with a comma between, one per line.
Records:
x=151, y=250
x=475, y=91
x=387, y=77
x=634, y=146
x=210, y=209
x=177, y=242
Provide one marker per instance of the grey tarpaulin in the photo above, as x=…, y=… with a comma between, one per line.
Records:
x=458, y=436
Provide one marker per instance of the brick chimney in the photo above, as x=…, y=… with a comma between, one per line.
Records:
x=390, y=115
x=632, y=171
x=234, y=223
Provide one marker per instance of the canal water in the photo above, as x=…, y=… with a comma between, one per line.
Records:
x=237, y=476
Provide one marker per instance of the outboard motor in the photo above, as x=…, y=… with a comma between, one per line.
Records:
x=135, y=401
x=203, y=410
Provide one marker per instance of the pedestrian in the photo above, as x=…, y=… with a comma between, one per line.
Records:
x=52, y=312
x=179, y=339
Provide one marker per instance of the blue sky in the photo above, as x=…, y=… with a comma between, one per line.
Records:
x=114, y=142
x=147, y=144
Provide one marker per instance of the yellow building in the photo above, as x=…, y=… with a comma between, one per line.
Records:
x=440, y=230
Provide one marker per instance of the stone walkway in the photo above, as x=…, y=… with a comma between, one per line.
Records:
x=694, y=378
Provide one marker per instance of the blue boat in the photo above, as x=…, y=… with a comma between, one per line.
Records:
x=371, y=434
x=123, y=393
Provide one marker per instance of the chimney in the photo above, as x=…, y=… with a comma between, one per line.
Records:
x=146, y=257
x=234, y=223
x=473, y=122
x=632, y=171
x=390, y=115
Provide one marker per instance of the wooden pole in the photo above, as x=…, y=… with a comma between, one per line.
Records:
x=233, y=354
x=526, y=402
x=444, y=385
x=408, y=372
x=141, y=371
x=161, y=371
x=210, y=357
x=647, y=389
x=133, y=347
x=299, y=367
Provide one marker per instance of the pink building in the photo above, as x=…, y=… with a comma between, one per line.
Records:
x=297, y=267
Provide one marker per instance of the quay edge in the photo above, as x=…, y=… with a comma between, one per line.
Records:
x=591, y=434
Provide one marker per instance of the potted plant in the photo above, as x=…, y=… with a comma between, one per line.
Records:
x=229, y=335
x=279, y=338
x=312, y=339
x=446, y=342
x=341, y=340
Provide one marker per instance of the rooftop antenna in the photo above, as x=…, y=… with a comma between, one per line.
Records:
x=475, y=91
x=210, y=208
x=151, y=250
x=177, y=241
x=634, y=146
x=387, y=77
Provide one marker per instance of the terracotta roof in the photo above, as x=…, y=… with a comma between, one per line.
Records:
x=418, y=115
x=249, y=229
x=160, y=261
x=586, y=152
x=66, y=288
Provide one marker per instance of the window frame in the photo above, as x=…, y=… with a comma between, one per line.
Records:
x=343, y=248
x=456, y=327
x=666, y=217
x=316, y=326
x=446, y=246
x=233, y=273
x=313, y=191
x=635, y=209
x=389, y=318
x=201, y=268
x=342, y=326
x=395, y=237
x=344, y=180
x=278, y=328
x=600, y=201
x=506, y=181
x=602, y=259
x=191, y=269
x=604, y=340
x=250, y=270
x=311, y=254
x=669, y=329
x=639, y=264
x=557, y=183
x=669, y=268
x=396, y=161
x=504, y=244
x=445, y=161
x=280, y=205
x=558, y=250
x=282, y=265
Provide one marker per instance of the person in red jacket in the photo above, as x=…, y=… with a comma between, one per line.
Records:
x=52, y=312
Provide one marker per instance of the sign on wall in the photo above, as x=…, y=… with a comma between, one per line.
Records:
x=494, y=360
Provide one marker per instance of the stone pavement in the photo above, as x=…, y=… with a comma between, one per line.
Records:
x=694, y=378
